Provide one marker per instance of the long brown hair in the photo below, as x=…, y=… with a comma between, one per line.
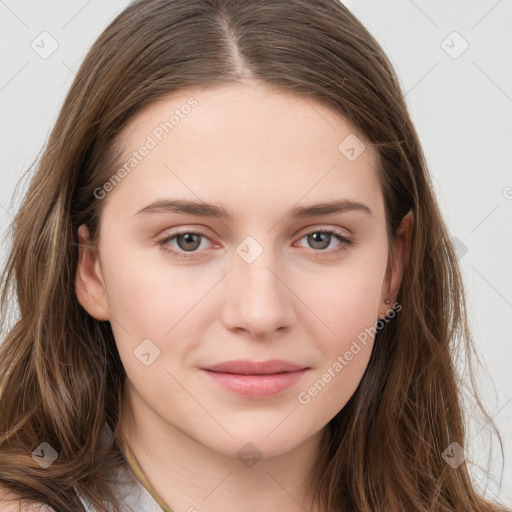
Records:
x=61, y=378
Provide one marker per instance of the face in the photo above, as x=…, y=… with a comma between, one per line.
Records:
x=250, y=272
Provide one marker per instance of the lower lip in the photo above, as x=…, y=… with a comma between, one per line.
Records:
x=256, y=386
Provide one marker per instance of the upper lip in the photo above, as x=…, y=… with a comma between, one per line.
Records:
x=246, y=367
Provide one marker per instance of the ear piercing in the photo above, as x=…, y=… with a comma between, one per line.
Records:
x=387, y=301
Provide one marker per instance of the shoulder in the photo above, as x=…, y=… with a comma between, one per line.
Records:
x=9, y=502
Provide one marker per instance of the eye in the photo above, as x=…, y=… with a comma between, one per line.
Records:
x=320, y=240
x=187, y=242
x=190, y=242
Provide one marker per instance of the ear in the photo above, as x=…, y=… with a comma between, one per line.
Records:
x=398, y=260
x=89, y=283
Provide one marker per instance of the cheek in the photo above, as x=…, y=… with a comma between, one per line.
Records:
x=163, y=303
x=148, y=295
x=345, y=340
x=346, y=300
x=347, y=335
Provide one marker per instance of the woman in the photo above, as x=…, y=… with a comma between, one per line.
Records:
x=236, y=290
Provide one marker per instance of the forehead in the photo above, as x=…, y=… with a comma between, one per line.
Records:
x=247, y=144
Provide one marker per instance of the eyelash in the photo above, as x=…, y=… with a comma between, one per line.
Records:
x=345, y=242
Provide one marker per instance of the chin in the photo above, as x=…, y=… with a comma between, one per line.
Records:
x=259, y=442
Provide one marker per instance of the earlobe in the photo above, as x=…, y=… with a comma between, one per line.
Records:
x=398, y=261
x=89, y=284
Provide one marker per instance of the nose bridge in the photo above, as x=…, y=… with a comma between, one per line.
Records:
x=257, y=299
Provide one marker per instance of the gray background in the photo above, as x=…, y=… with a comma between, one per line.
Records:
x=461, y=103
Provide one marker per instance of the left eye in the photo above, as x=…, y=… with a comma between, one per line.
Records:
x=317, y=239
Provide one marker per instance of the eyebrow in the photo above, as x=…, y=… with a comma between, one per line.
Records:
x=202, y=209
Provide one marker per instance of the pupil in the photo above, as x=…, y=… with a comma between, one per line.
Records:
x=317, y=239
x=189, y=239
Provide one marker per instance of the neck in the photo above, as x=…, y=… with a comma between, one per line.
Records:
x=190, y=476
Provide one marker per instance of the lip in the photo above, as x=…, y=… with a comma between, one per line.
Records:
x=247, y=367
x=256, y=379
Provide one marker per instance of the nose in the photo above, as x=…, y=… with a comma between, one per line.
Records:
x=258, y=299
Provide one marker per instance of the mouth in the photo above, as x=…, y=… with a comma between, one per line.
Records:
x=246, y=367
x=253, y=379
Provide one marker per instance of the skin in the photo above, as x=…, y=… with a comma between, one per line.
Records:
x=295, y=301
